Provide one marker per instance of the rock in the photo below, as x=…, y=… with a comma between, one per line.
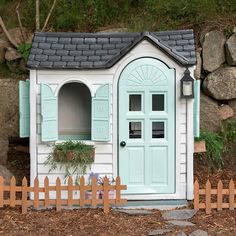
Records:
x=230, y=48
x=12, y=54
x=159, y=232
x=4, y=43
x=2, y=55
x=199, y=233
x=183, y=214
x=135, y=211
x=234, y=29
x=232, y=104
x=6, y=174
x=197, y=71
x=221, y=84
x=180, y=234
x=9, y=115
x=213, y=50
x=4, y=147
x=180, y=223
x=209, y=114
x=225, y=112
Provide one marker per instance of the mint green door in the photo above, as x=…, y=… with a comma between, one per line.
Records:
x=147, y=127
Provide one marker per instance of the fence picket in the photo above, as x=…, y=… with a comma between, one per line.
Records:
x=1, y=191
x=58, y=194
x=118, y=191
x=82, y=192
x=196, y=195
x=208, y=197
x=13, y=192
x=231, y=194
x=94, y=191
x=219, y=195
x=70, y=192
x=36, y=192
x=46, y=192
x=105, y=195
x=24, y=202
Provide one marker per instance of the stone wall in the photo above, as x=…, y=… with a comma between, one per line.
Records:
x=9, y=115
x=216, y=67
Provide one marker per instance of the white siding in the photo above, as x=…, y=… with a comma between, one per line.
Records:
x=106, y=153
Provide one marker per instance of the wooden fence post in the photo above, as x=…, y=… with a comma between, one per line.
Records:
x=1, y=191
x=196, y=195
x=231, y=194
x=70, y=191
x=58, y=194
x=81, y=191
x=13, y=192
x=24, y=203
x=219, y=195
x=36, y=192
x=46, y=192
x=208, y=197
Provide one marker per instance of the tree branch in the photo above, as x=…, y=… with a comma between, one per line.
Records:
x=20, y=24
x=11, y=40
x=49, y=14
x=37, y=22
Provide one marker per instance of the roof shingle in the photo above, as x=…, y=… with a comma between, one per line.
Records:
x=103, y=50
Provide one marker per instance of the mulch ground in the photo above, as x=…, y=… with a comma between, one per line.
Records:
x=95, y=222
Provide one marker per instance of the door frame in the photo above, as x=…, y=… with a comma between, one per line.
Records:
x=181, y=184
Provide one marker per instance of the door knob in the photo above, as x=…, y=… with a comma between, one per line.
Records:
x=122, y=143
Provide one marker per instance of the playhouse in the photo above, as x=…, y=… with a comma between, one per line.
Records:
x=121, y=92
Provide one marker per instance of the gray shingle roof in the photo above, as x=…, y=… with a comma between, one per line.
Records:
x=103, y=50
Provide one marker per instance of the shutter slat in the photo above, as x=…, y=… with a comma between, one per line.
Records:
x=49, y=114
x=101, y=114
x=24, y=108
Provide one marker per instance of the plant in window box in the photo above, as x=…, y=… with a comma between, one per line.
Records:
x=75, y=157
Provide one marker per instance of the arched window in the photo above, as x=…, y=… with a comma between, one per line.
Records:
x=74, y=112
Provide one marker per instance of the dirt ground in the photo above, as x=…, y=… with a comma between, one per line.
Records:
x=94, y=222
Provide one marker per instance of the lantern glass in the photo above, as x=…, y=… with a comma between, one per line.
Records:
x=187, y=88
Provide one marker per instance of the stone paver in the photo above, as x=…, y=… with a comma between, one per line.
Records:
x=199, y=233
x=183, y=214
x=135, y=211
x=180, y=223
x=159, y=232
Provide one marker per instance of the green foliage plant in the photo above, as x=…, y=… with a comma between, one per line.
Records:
x=214, y=148
x=24, y=50
x=74, y=157
x=228, y=131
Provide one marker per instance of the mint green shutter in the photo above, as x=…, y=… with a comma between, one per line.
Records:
x=196, y=108
x=49, y=114
x=24, y=108
x=101, y=114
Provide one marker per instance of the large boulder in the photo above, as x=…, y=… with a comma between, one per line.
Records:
x=209, y=114
x=9, y=115
x=197, y=71
x=213, y=53
x=230, y=48
x=221, y=84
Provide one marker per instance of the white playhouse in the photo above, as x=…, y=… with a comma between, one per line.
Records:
x=131, y=95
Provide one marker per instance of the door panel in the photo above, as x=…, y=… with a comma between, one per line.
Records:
x=147, y=126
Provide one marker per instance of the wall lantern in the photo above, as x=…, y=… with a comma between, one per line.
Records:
x=187, y=85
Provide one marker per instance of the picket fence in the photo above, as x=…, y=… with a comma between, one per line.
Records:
x=9, y=194
x=218, y=198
